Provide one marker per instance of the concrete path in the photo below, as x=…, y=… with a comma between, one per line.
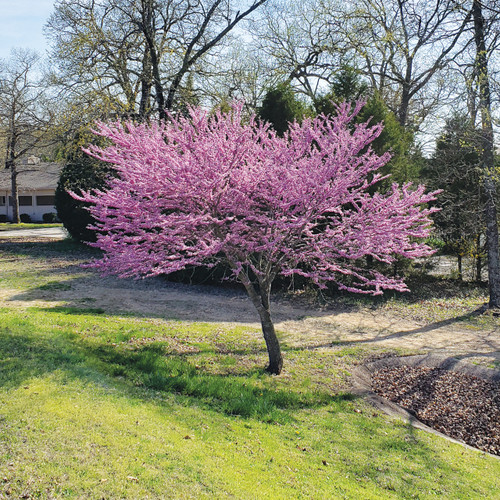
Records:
x=56, y=233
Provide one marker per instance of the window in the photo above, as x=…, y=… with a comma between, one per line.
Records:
x=46, y=201
x=24, y=201
x=2, y=201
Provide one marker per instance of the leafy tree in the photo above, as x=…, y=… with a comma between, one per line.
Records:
x=455, y=168
x=207, y=188
x=281, y=107
x=404, y=165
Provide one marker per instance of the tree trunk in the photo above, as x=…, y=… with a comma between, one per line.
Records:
x=15, y=193
x=146, y=79
x=261, y=302
x=10, y=163
x=160, y=97
x=272, y=343
x=459, y=263
x=404, y=104
x=490, y=209
x=174, y=87
x=148, y=31
x=479, y=263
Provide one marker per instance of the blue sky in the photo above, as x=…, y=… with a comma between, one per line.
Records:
x=22, y=24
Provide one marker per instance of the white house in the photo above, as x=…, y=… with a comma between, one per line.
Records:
x=37, y=182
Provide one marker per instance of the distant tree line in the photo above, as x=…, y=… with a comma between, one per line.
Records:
x=427, y=69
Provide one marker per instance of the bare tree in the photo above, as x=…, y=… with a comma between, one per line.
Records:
x=401, y=45
x=300, y=46
x=243, y=74
x=139, y=52
x=98, y=57
x=488, y=167
x=24, y=116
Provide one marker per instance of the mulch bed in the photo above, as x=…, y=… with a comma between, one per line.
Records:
x=459, y=405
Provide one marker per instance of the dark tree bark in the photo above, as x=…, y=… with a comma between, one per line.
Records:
x=272, y=343
x=11, y=165
x=193, y=54
x=261, y=300
x=479, y=262
x=148, y=30
x=490, y=209
x=404, y=104
x=146, y=84
x=15, y=196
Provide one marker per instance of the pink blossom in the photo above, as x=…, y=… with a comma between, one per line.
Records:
x=206, y=188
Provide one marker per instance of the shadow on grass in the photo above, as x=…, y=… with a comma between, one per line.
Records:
x=25, y=354
x=421, y=285
x=403, y=333
x=74, y=311
x=221, y=299
x=46, y=247
x=424, y=329
x=243, y=312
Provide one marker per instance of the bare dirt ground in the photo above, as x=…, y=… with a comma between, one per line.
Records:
x=299, y=322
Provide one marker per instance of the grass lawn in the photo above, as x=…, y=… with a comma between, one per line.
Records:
x=99, y=405
x=8, y=226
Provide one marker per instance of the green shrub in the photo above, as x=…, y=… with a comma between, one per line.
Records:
x=25, y=218
x=49, y=217
x=80, y=174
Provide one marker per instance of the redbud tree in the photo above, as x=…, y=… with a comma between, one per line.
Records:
x=202, y=189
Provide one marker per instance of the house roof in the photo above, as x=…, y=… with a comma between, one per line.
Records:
x=32, y=177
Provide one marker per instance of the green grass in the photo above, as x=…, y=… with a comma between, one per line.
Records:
x=97, y=405
x=9, y=226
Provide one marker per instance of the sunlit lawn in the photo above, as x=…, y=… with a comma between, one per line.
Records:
x=98, y=405
x=9, y=226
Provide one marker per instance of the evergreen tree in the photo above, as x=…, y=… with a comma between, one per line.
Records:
x=454, y=168
x=80, y=173
x=346, y=86
x=281, y=107
x=406, y=160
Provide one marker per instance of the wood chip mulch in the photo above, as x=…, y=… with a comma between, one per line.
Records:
x=459, y=405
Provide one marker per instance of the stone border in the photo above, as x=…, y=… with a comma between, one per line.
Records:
x=361, y=378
